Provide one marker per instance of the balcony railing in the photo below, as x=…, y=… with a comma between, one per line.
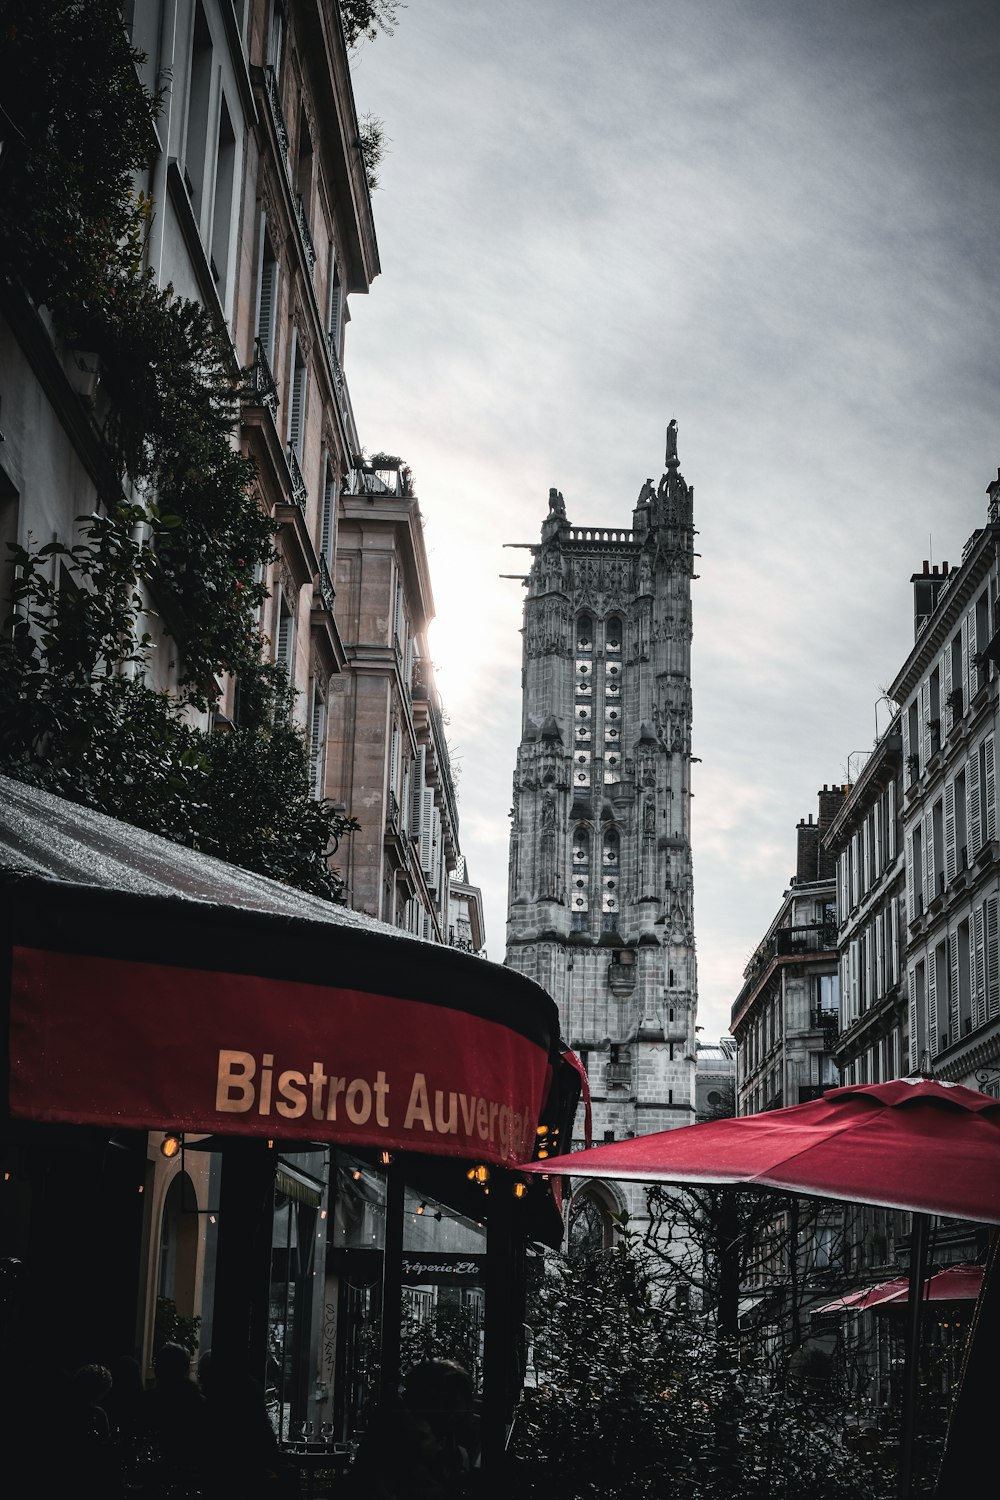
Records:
x=277, y=113
x=305, y=233
x=299, y=492
x=327, y=591
x=392, y=814
x=261, y=387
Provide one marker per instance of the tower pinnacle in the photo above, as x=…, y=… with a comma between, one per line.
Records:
x=672, y=461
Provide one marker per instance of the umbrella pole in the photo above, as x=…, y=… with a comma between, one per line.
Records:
x=911, y=1370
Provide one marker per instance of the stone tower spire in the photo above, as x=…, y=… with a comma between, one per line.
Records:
x=601, y=890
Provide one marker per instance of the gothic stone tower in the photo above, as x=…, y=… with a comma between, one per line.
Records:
x=600, y=905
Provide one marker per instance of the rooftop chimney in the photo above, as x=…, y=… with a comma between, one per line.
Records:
x=927, y=586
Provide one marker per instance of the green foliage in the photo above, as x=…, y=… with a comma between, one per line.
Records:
x=632, y=1401
x=366, y=18
x=373, y=141
x=172, y=1327
x=451, y=1332
x=72, y=232
x=76, y=714
x=85, y=127
x=72, y=720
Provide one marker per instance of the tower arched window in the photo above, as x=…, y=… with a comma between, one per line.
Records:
x=583, y=698
x=610, y=879
x=613, y=637
x=579, y=900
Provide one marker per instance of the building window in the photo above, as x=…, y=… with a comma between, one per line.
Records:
x=297, y=403
x=284, y=637
x=317, y=741
x=267, y=296
x=222, y=209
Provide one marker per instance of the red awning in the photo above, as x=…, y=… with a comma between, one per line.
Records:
x=156, y=988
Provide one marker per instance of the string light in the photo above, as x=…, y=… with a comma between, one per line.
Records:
x=385, y=1157
x=171, y=1144
x=520, y=1189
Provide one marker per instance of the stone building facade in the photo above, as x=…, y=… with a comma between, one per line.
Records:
x=387, y=759
x=785, y=1018
x=601, y=889
x=948, y=691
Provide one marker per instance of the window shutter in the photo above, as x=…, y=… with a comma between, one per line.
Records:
x=911, y=890
x=930, y=1010
x=285, y=644
x=393, y=759
x=417, y=791
x=929, y=865
x=973, y=820
x=949, y=832
x=296, y=414
x=988, y=789
x=992, y=960
x=978, y=965
x=954, y=1022
x=867, y=865
x=329, y=509
x=336, y=306
x=891, y=799
x=908, y=749
x=969, y=654
x=880, y=985
x=267, y=305
x=914, y=1037
x=317, y=742
x=947, y=714
x=925, y=726
x=894, y=935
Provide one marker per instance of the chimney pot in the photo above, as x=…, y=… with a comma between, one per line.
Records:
x=926, y=567
x=944, y=568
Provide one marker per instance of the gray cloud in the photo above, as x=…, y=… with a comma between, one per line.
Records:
x=778, y=222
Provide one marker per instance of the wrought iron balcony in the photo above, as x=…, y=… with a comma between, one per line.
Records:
x=392, y=814
x=327, y=591
x=274, y=104
x=261, y=387
x=299, y=492
x=305, y=233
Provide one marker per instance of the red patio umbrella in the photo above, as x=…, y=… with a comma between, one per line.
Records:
x=952, y=1284
x=914, y=1144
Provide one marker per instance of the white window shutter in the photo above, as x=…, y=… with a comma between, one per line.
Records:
x=992, y=960
x=973, y=800
x=891, y=797
x=971, y=647
x=977, y=965
x=954, y=1022
x=950, y=852
x=914, y=1034
x=929, y=859
x=930, y=1008
x=317, y=742
x=328, y=514
x=911, y=880
x=925, y=724
x=988, y=789
x=947, y=714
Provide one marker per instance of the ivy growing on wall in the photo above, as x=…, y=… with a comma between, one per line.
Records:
x=180, y=524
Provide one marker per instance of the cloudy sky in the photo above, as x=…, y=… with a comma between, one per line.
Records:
x=778, y=221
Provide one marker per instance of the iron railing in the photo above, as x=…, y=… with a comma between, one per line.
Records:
x=327, y=591
x=261, y=386
x=277, y=113
x=299, y=492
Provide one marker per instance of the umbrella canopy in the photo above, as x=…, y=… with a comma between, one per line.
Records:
x=952, y=1284
x=913, y=1144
